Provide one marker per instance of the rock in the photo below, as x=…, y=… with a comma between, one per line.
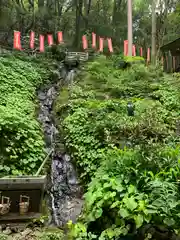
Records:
x=67, y=158
x=14, y=229
x=26, y=232
x=7, y=231
x=17, y=236
x=70, y=210
x=41, y=96
x=50, y=92
x=3, y=227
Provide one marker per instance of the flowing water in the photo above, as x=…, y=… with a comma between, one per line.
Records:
x=64, y=189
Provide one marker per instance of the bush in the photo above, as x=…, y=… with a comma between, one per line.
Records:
x=21, y=137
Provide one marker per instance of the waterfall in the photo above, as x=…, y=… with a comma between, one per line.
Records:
x=64, y=189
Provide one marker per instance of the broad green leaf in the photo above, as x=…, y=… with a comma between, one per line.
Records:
x=131, y=189
x=115, y=204
x=124, y=212
x=98, y=213
x=130, y=203
x=138, y=220
x=169, y=221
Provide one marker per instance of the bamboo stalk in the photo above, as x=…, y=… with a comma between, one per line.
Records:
x=45, y=160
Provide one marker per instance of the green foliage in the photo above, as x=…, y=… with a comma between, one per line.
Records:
x=134, y=59
x=21, y=138
x=129, y=165
x=3, y=236
x=52, y=236
x=58, y=51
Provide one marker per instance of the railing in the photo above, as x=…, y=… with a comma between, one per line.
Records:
x=81, y=56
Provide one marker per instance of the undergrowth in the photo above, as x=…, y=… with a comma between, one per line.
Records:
x=21, y=137
x=129, y=165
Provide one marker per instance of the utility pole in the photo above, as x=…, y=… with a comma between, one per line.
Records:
x=130, y=35
x=153, y=44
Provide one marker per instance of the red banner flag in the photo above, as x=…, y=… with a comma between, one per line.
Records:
x=110, y=45
x=50, y=39
x=141, y=52
x=41, y=40
x=17, y=40
x=134, y=50
x=93, y=40
x=60, y=37
x=125, y=47
x=148, y=55
x=101, y=44
x=32, y=36
x=84, y=41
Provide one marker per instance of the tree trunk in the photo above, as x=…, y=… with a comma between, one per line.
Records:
x=130, y=36
x=79, y=4
x=40, y=3
x=87, y=5
x=153, y=54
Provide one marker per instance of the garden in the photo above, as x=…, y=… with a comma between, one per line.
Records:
x=128, y=164
x=127, y=158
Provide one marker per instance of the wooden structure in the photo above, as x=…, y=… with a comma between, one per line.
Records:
x=74, y=56
x=171, y=56
x=25, y=196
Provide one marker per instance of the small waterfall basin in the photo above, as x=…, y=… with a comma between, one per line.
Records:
x=23, y=193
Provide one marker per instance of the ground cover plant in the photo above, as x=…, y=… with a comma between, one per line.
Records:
x=21, y=137
x=129, y=165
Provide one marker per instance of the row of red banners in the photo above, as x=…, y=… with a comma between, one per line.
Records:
x=134, y=51
x=17, y=43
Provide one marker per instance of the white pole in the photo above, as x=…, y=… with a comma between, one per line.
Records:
x=153, y=43
x=130, y=35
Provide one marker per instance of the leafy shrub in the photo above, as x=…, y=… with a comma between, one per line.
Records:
x=21, y=138
x=58, y=51
x=52, y=236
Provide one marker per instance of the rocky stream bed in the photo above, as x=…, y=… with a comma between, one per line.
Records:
x=64, y=190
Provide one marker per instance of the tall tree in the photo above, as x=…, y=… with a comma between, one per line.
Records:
x=130, y=37
x=153, y=50
x=79, y=5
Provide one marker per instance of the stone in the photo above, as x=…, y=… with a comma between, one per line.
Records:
x=41, y=96
x=70, y=210
x=26, y=232
x=3, y=227
x=17, y=236
x=7, y=231
x=14, y=229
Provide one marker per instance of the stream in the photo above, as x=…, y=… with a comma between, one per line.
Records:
x=63, y=186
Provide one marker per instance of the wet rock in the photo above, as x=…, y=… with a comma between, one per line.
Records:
x=3, y=227
x=7, y=231
x=64, y=189
x=14, y=229
x=26, y=232
x=41, y=96
x=70, y=210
